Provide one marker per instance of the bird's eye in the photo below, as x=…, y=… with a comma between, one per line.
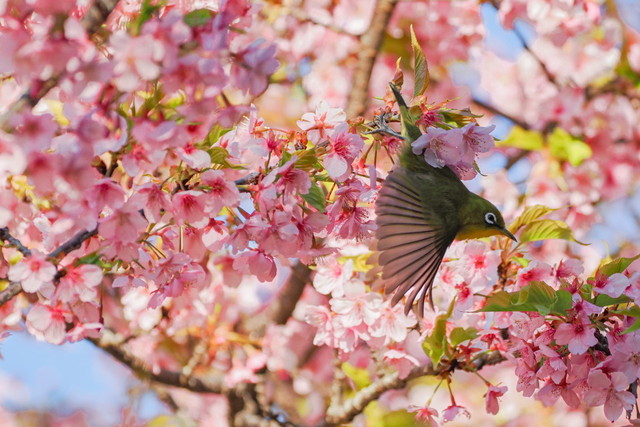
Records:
x=490, y=218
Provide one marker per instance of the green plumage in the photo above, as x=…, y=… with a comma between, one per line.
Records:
x=420, y=211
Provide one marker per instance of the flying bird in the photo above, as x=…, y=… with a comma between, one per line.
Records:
x=420, y=211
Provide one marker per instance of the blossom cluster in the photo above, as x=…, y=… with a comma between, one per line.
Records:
x=155, y=193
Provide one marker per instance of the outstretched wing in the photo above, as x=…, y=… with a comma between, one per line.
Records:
x=412, y=237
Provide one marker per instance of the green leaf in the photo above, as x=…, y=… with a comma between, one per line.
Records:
x=307, y=159
x=617, y=266
x=420, y=67
x=170, y=421
x=546, y=229
x=634, y=327
x=520, y=260
x=603, y=300
x=531, y=213
x=537, y=296
x=147, y=11
x=198, y=17
x=563, y=302
x=564, y=146
x=359, y=376
x=93, y=258
x=520, y=138
x=435, y=344
x=219, y=156
x=316, y=197
x=459, y=335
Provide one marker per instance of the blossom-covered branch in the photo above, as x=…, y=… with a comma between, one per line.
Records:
x=344, y=413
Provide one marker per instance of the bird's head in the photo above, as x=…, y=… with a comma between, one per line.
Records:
x=480, y=218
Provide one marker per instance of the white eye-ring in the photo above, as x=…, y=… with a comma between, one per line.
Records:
x=490, y=218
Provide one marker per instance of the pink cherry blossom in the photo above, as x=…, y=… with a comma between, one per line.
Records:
x=153, y=201
x=344, y=147
x=535, y=271
x=626, y=356
x=331, y=277
x=123, y=225
x=393, y=324
x=258, y=263
x=579, y=335
x=221, y=192
x=491, y=396
x=191, y=207
x=441, y=147
x=402, y=361
x=255, y=64
x=79, y=282
x=478, y=265
x=425, y=415
x=613, y=286
x=34, y=272
x=611, y=391
x=357, y=309
x=451, y=412
x=136, y=58
x=105, y=193
x=319, y=123
x=48, y=323
x=550, y=392
x=478, y=138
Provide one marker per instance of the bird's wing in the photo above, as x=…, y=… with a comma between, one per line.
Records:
x=412, y=237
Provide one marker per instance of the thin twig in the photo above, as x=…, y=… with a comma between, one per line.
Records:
x=198, y=384
x=340, y=414
x=7, y=237
x=493, y=110
x=74, y=243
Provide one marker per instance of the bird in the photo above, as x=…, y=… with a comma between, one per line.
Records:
x=420, y=211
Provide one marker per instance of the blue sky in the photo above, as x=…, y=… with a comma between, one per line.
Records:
x=67, y=377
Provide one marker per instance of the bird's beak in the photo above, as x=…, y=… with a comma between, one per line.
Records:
x=508, y=234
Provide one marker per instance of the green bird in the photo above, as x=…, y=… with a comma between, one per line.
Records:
x=420, y=211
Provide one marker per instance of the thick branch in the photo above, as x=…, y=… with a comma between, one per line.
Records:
x=285, y=302
x=281, y=309
x=370, y=43
x=340, y=414
x=196, y=384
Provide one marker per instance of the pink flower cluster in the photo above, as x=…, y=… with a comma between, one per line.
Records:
x=456, y=148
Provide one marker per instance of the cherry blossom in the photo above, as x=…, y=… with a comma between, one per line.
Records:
x=492, y=396
x=578, y=335
x=318, y=124
x=610, y=391
x=344, y=147
x=34, y=272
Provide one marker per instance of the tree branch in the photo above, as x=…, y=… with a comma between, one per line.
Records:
x=284, y=303
x=493, y=110
x=370, y=43
x=74, y=243
x=340, y=414
x=5, y=236
x=109, y=343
